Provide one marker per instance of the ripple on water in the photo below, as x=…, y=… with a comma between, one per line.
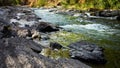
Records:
x=104, y=32
x=98, y=27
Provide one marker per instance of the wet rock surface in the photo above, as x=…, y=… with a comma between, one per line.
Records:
x=17, y=51
x=86, y=51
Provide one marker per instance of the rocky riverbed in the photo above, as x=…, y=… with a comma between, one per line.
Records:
x=26, y=42
x=91, y=13
x=103, y=31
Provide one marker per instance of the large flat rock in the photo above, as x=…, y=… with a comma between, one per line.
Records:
x=86, y=51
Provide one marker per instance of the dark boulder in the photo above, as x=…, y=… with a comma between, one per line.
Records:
x=109, y=13
x=22, y=53
x=5, y=30
x=118, y=17
x=17, y=52
x=10, y=30
x=45, y=27
x=55, y=45
x=86, y=51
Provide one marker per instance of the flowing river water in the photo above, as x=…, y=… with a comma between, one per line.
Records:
x=103, y=32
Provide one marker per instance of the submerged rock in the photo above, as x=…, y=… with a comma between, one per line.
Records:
x=55, y=45
x=85, y=51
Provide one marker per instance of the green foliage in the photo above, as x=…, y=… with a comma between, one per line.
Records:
x=17, y=1
x=56, y=54
x=77, y=4
x=40, y=3
x=86, y=4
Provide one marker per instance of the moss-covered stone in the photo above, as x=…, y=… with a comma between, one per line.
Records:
x=56, y=54
x=66, y=38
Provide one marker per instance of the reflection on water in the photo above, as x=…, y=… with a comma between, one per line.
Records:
x=105, y=33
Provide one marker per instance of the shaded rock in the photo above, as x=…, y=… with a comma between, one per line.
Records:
x=22, y=53
x=93, y=9
x=5, y=30
x=118, y=17
x=23, y=42
x=45, y=27
x=1, y=35
x=109, y=13
x=18, y=52
x=86, y=51
x=55, y=45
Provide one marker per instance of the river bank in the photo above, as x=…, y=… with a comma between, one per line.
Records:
x=19, y=29
x=54, y=36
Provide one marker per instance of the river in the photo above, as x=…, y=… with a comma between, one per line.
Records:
x=104, y=32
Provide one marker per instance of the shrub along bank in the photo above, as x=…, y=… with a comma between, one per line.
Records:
x=73, y=4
